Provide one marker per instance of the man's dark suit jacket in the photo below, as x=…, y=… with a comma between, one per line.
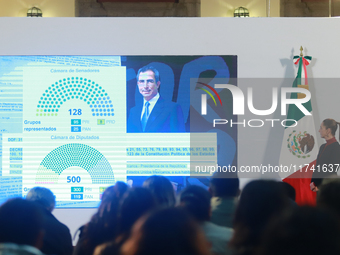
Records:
x=165, y=117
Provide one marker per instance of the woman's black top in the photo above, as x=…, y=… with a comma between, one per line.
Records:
x=327, y=162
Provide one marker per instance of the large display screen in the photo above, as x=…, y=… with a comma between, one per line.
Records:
x=78, y=124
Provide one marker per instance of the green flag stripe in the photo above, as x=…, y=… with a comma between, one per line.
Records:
x=294, y=112
x=299, y=72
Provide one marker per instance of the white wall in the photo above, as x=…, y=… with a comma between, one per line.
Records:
x=264, y=48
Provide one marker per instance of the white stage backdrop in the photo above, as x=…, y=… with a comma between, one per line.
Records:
x=264, y=49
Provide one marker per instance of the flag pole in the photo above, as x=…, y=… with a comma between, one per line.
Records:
x=294, y=152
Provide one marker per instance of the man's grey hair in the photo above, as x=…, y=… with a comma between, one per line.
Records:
x=43, y=196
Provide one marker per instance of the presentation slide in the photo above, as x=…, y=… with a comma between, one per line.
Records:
x=78, y=124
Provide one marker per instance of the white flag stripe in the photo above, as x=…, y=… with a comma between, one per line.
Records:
x=303, y=74
x=305, y=129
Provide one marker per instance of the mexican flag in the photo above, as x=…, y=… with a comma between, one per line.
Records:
x=299, y=146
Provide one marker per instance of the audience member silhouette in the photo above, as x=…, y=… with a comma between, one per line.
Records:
x=119, y=189
x=289, y=190
x=21, y=228
x=57, y=237
x=170, y=231
x=135, y=203
x=143, y=221
x=260, y=201
x=303, y=231
x=224, y=193
x=162, y=190
x=329, y=196
x=103, y=225
x=196, y=200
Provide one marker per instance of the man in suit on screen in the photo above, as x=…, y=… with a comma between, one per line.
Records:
x=156, y=115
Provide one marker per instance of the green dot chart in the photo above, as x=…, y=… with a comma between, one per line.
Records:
x=75, y=155
x=64, y=126
x=70, y=88
x=71, y=141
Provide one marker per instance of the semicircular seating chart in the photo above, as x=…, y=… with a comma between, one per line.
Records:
x=75, y=154
x=75, y=88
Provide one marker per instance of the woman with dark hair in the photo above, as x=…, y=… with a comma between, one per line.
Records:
x=162, y=189
x=260, y=201
x=328, y=159
x=135, y=203
x=103, y=225
x=169, y=231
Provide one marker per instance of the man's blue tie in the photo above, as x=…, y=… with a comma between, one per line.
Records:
x=145, y=115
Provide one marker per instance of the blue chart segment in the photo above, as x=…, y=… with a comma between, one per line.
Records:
x=75, y=155
x=75, y=88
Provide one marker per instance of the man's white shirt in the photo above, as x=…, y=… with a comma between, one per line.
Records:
x=152, y=102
